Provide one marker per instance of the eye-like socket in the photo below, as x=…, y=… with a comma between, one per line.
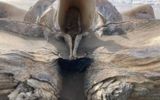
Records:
x=143, y=12
x=107, y=31
x=116, y=31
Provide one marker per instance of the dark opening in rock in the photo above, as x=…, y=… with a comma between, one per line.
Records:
x=73, y=66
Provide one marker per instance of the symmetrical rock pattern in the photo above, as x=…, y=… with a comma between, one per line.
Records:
x=123, y=69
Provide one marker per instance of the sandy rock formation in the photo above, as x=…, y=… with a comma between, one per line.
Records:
x=105, y=13
x=123, y=69
x=41, y=84
x=108, y=11
x=110, y=15
x=23, y=28
x=9, y=11
x=137, y=15
x=141, y=12
x=37, y=10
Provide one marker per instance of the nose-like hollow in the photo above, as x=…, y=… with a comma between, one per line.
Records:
x=85, y=8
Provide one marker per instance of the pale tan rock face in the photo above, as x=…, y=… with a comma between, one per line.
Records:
x=37, y=52
x=141, y=12
x=12, y=12
x=130, y=66
x=122, y=69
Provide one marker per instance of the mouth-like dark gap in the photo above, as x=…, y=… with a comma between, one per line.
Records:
x=73, y=78
x=73, y=66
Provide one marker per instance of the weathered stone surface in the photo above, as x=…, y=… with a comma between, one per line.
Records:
x=24, y=28
x=123, y=69
x=129, y=72
x=49, y=19
x=28, y=68
x=105, y=13
x=109, y=14
x=143, y=12
x=37, y=10
x=10, y=11
x=108, y=11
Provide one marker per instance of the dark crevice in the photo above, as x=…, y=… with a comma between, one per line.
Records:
x=73, y=77
x=73, y=66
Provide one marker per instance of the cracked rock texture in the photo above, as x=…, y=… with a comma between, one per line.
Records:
x=122, y=68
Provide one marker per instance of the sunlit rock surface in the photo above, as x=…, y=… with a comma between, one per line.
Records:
x=122, y=68
x=141, y=12
x=35, y=12
x=10, y=11
x=126, y=69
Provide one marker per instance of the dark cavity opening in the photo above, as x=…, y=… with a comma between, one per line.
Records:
x=73, y=78
x=73, y=66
